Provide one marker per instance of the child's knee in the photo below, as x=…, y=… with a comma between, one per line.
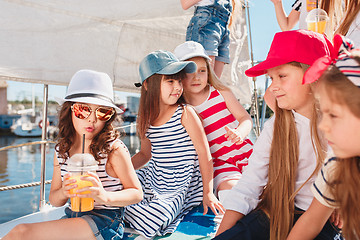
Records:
x=20, y=231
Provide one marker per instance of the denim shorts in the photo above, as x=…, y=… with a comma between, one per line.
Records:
x=209, y=26
x=105, y=224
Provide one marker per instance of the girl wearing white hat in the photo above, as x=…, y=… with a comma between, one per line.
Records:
x=226, y=122
x=85, y=120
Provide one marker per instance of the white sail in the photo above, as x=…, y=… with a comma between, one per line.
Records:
x=47, y=41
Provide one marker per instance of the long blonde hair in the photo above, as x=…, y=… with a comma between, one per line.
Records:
x=149, y=104
x=278, y=198
x=352, y=8
x=344, y=184
x=335, y=12
x=213, y=80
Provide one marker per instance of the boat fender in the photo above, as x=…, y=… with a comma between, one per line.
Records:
x=41, y=125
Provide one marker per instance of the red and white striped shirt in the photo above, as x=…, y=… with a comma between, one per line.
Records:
x=215, y=116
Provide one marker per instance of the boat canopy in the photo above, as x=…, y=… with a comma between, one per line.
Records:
x=47, y=41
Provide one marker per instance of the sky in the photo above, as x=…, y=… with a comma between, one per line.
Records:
x=263, y=28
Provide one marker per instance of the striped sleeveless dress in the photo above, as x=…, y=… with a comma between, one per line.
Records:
x=171, y=181
x=229, y=159
x=109, y=183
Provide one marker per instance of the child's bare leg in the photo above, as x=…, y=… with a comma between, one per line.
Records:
x=217, y=66
x=222, y=193
x=227, y=185
x=70, y=228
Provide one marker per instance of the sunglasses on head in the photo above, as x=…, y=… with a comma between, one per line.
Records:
x=83, y=111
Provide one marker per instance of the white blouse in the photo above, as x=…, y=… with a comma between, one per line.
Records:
x=244, y=196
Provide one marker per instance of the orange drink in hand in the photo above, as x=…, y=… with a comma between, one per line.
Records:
x=79, y=204
x=78, y=166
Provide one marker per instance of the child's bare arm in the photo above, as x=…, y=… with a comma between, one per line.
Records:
x=144, y=155
x=241, y=115
x=286, y=23
x=229, y=220
x=194, y=128
x=119, y=165
x=59, y=190
x=186, y=4
x=311, y=222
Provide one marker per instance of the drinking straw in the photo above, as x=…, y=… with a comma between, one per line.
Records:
x=317, y=3
x=83, y=150
x=83, y=144
x=82, y=164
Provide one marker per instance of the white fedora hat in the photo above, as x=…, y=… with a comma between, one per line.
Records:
x=88, y=86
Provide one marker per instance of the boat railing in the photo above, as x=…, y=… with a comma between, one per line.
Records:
x=34, y=184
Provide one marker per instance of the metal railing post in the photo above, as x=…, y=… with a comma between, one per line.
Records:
x=256, y=112
x=43, y=148
x=264, y=105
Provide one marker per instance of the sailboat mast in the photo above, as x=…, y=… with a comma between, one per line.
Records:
x=255, y=97
x=33, y=99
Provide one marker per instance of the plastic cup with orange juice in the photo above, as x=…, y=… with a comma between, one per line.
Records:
x=316, y=20
x=78, y=166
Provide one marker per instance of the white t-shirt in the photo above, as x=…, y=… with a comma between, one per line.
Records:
x=354, y=31
x=244, y=196
x=300, y=6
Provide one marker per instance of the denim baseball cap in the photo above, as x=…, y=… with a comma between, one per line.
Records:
x=190, y=49
x=301, y=46
x=163, y=62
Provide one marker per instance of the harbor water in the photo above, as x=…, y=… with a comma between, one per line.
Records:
x=23, y=165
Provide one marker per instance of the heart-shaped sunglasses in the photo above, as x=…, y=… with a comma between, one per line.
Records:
x=83, y=111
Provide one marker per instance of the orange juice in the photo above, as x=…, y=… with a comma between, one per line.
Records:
x=81, y=204
x=318, y=27
x=310, y=5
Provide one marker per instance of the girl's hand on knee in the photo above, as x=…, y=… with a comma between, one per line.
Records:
x=210, y=201
x=234, y=136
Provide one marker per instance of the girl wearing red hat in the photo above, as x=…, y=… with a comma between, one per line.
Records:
x=275, y=188
x=337, y=185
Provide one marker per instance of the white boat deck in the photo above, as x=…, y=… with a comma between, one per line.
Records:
x=195, y=226
x=47, y=214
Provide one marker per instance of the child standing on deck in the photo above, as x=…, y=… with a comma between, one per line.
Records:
x=178, y=176
x=85, y=120
x=210, y=27
x=337, y=185
x=225, y=121
x=275, y=187
x=300, y=10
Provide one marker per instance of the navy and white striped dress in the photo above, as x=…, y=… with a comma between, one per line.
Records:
x=171, y=181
